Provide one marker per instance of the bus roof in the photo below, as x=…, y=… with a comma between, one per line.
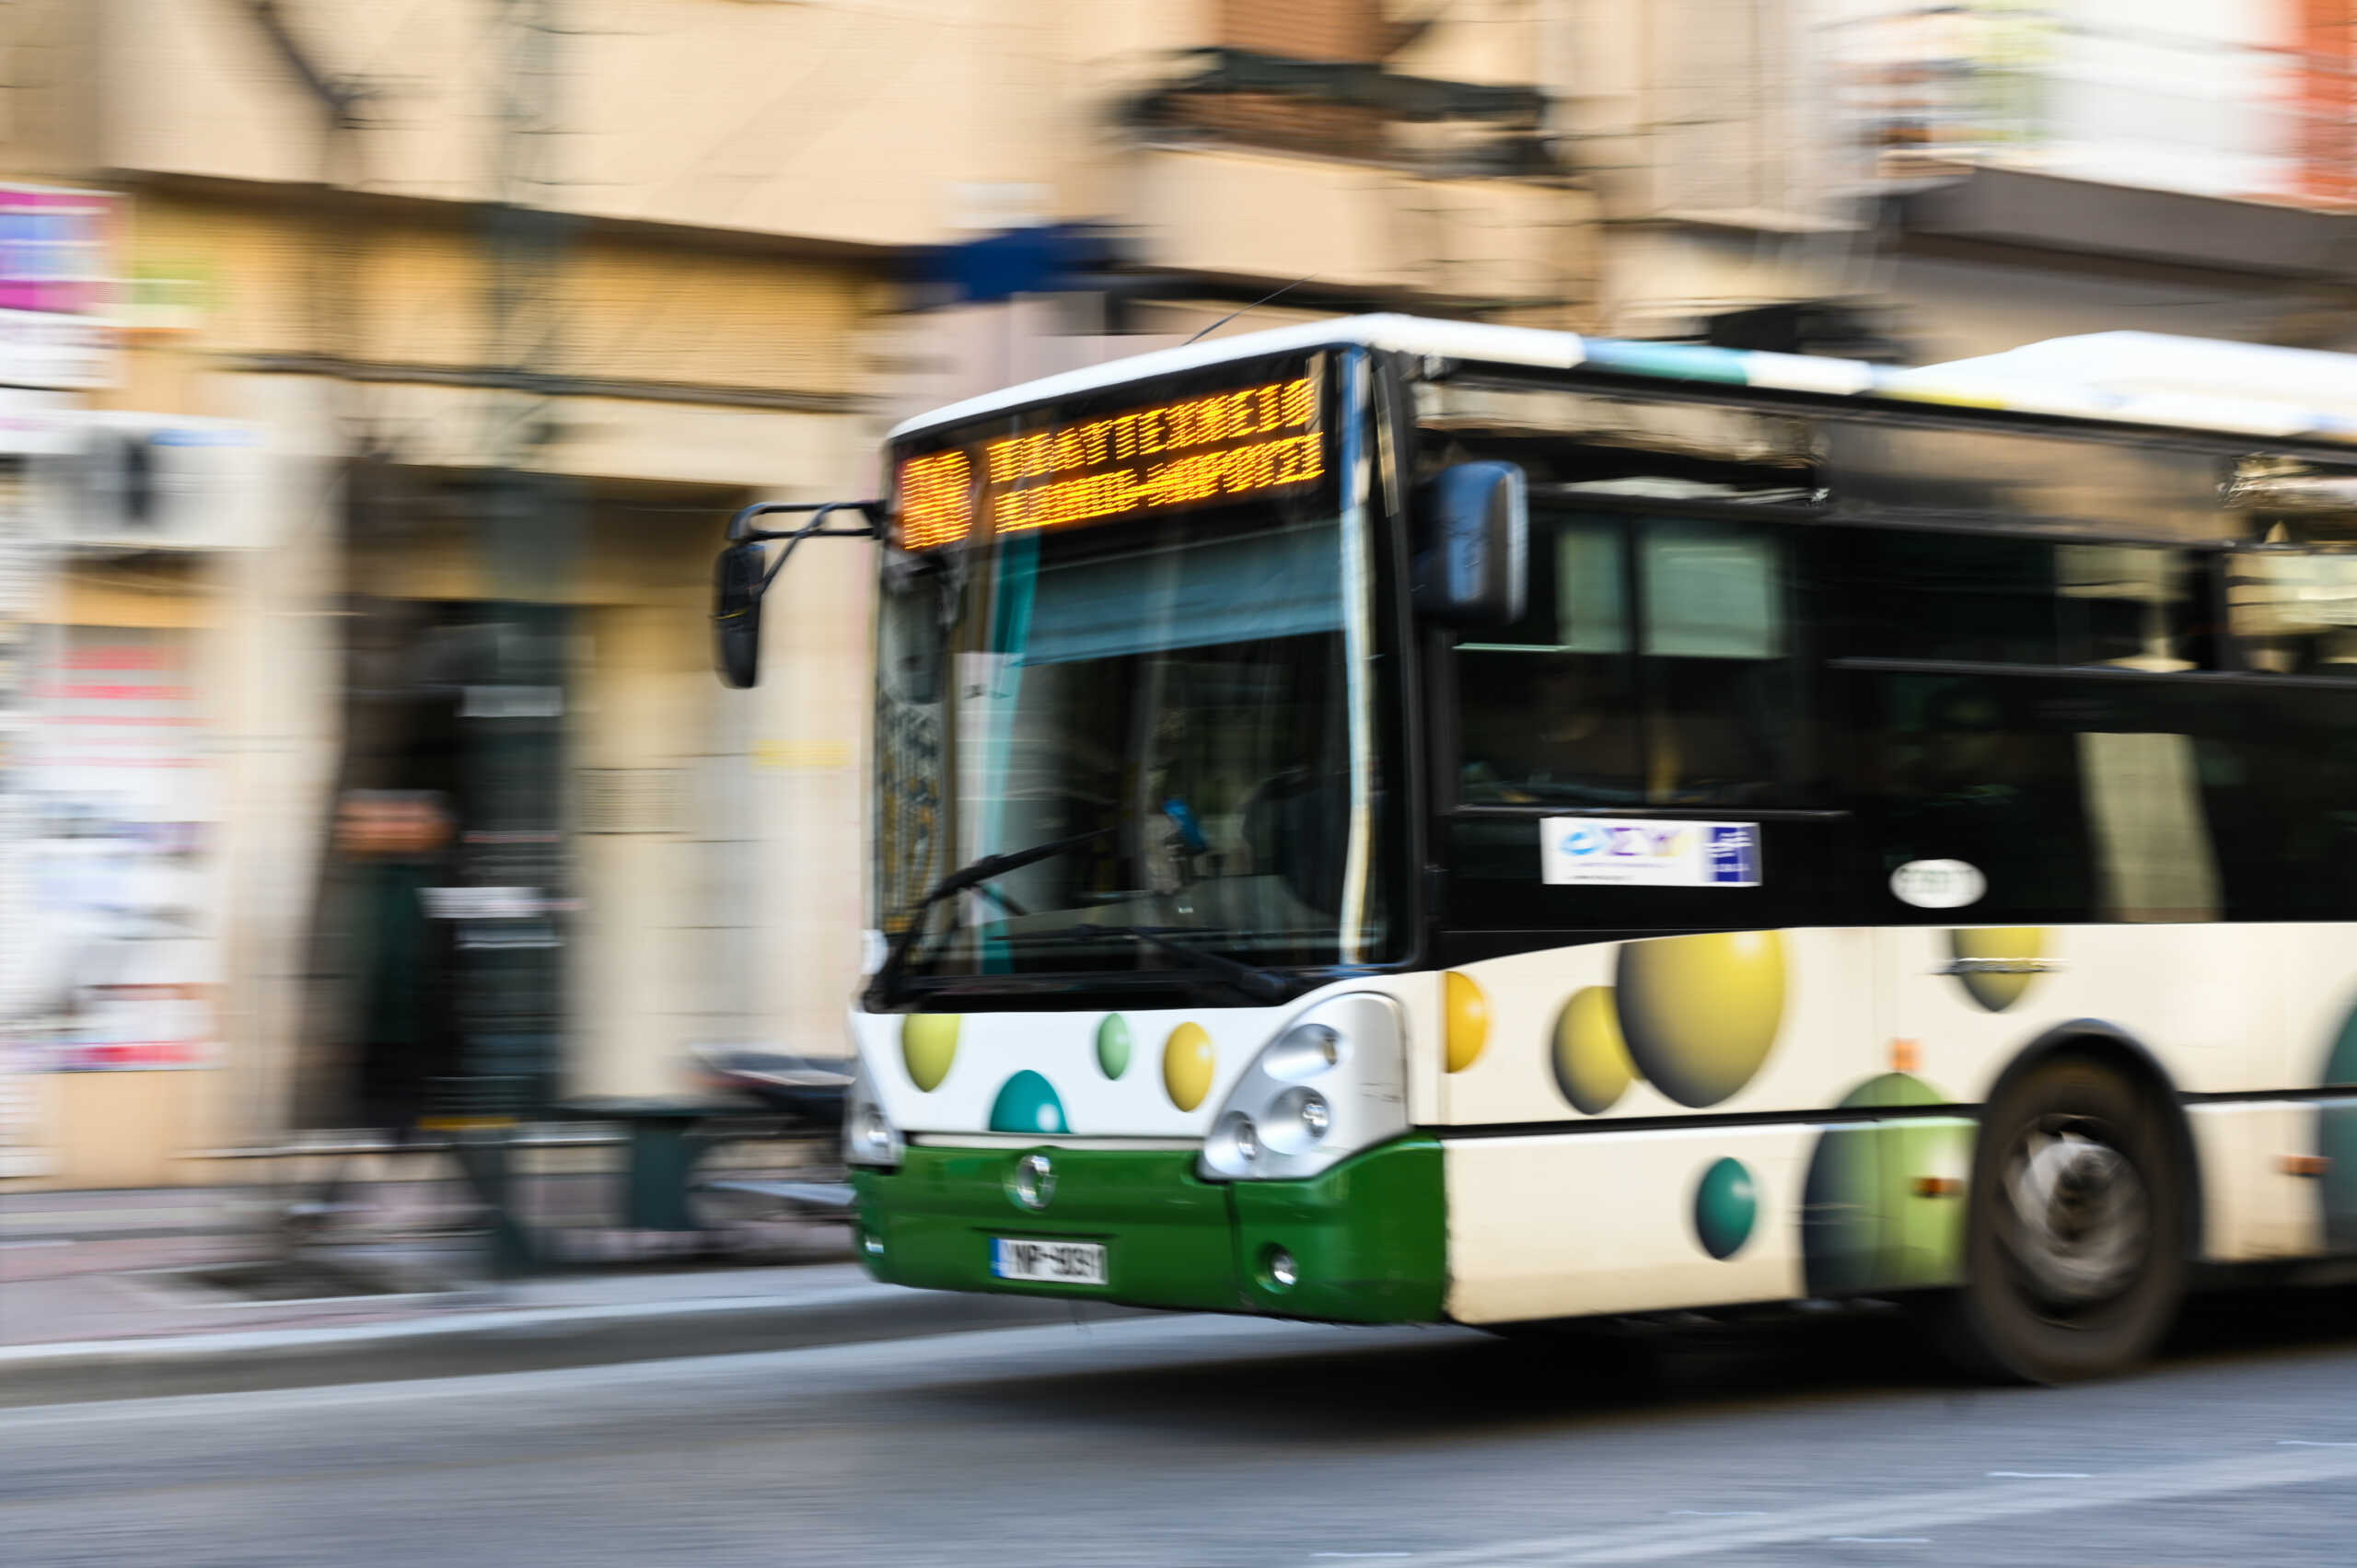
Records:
x=2064, y=378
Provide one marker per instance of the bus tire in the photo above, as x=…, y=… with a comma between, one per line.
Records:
x=2077, y=1229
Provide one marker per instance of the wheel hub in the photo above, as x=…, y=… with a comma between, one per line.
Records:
x=2079, y=1219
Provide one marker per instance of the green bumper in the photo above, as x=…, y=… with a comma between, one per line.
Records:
x=1368, y=1237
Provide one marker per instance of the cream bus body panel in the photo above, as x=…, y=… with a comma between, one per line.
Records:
x=1554, y=1211
x=1552, y=1227
x=2216, y=1004
x=2255, y=1209
x=1824, y=1038
x=942, y=1074
x=1549, y=1224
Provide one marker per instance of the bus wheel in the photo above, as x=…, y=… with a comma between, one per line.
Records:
x=2075, y=1251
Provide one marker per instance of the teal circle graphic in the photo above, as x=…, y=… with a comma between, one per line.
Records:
x=1027, y=1103
x=1726, y=1204
x=2337, y=1141
x=1113, y=1045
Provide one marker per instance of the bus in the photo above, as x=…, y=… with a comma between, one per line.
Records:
x=1390, y=820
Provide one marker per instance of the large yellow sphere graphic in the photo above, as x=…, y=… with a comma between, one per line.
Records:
x=1701, y=1013
x=1997, y=945
x=928, y=1045
x=1592, y=1066
x=1467, y=1020
x=1188, y=1062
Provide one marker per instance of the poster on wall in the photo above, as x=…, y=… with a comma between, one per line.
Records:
x=119, y=967
x=22, y=586
x=59, y=260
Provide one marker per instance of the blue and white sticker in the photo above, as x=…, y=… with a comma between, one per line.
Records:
x=1622, y=852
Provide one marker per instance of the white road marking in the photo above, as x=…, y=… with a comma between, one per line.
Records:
x=971, y=1354
x=2041, y=1475
x=2309, y=1443
x=1876, y=1516
x=1882, y=1541
x=1720, y=1512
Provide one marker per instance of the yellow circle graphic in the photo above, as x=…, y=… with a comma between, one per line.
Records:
x=1701, y=1013
x=928, y=1045
x=1467, y=1015
x=1998, y=985
x=1592, y=1066
x=1188, y=1062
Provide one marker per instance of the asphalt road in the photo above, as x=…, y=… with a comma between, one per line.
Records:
x=1190, y=1441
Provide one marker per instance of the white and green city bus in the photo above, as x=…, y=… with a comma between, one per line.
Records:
x=1391, y=820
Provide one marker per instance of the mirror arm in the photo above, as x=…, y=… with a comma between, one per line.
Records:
x=740, y=526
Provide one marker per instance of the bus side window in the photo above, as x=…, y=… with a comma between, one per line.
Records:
x=1682, y=698
x=2007, y=598
x=2294, y=612
x=1964, y=770
x=1546, y=708
x=2075, y=801
x=1717, y=663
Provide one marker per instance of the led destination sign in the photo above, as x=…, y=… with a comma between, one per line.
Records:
x=1194, y=451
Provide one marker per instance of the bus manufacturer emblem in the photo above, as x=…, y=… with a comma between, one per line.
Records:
x=1035, y=1181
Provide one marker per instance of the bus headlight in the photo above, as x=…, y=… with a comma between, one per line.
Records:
x=869, y=1137
x=1331, y=1083
x=1234, y=1144
x=1298, y=1120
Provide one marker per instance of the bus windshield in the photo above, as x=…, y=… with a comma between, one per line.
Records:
x=1184, y=689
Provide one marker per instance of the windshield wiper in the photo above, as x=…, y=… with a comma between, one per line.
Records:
x=1255, y=984
x=988, y=868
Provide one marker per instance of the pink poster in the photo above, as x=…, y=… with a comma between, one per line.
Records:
x=55, y=249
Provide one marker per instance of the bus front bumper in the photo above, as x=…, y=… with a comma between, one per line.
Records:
x=1367, y=1238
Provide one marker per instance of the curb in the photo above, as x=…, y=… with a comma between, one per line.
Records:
x=506, y=1339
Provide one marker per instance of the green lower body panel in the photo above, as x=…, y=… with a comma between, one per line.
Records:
x=1367, y=1239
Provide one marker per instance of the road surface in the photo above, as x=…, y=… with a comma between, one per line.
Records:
x=1206, y=1442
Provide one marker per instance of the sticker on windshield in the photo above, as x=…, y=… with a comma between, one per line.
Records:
x=1653, y=854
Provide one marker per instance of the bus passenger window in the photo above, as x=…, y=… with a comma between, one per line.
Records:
x=1716, y=666
x=2294, y=612
x=1966, y=771
x=1683, y=698
x=1999, y=598
x=1546, y=708
x=2151, y=853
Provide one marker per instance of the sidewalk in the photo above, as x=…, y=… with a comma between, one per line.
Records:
x=82, y=1266
x=126, y=1294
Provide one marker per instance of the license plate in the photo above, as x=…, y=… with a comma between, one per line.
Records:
x=1064, y=1263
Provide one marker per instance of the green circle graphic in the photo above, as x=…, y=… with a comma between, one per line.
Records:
x=1113, y=1045
x=1726, y=1203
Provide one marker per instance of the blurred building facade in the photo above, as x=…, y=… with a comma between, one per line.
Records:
x=1934, y=182
x=491, y=311
x=429, y=345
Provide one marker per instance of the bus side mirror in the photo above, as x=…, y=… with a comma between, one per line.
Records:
x=1472, y=534
x=737, y=580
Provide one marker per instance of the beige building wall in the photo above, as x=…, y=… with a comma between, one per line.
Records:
x=849, y=122
x=741, y=177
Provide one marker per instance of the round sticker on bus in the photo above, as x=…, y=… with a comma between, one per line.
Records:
x=1938, y=883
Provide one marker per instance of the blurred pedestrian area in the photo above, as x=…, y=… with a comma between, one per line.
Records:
x=139, y=1265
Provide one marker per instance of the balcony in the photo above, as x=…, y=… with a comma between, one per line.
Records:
x=1475, y=244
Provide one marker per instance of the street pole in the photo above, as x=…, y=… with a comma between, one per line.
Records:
x=513, y=711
